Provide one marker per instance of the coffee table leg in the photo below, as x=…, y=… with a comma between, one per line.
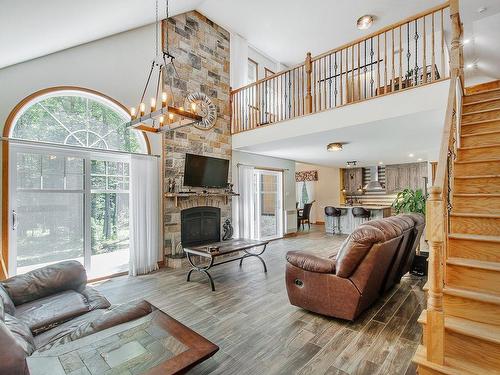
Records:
x=249, y=254
x=202, y=270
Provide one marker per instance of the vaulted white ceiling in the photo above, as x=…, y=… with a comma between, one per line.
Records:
x=283, y=29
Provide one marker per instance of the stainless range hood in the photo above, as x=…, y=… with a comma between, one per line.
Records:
x=374, y=184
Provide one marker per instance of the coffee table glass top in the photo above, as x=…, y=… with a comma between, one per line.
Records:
x=229, y=246
x=130, y=348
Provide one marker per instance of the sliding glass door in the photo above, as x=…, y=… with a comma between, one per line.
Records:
x=268, y=198
x=68, y=205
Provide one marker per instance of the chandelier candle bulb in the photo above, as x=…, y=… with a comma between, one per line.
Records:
x=133, y=113
x=163, y=99
x=142, y=109
x=153, y=104
x=171, y=116
x=162, y=120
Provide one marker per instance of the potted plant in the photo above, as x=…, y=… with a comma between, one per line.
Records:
x=409, y=200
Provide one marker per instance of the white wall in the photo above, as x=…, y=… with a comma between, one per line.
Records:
x=264, y=62
x=326, y=189
x=290, y=223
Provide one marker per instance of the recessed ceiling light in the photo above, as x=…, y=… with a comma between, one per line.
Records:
x=336, y=146
x=481, y=9
x=411, y=155
x=364, y=22
x=466, y=41
x=381, y=162
x=471, y=66
x=419, y=159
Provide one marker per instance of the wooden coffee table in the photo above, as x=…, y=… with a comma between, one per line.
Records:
x=153, y=344
x=224, y=248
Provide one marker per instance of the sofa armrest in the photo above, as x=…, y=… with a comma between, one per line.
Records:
x=95, y=299
x=310, y=262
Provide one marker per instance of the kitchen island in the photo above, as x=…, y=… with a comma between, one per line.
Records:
x=348, y=222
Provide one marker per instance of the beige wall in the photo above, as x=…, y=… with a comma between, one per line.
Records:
x=326, y=189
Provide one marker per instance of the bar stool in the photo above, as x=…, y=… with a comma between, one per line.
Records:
x=331, y=213
x=361, y=213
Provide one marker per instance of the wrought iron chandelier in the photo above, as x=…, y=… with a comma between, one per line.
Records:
x=163, y=115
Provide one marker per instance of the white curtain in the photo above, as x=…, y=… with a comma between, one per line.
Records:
x=246, y=206
x=144, y=215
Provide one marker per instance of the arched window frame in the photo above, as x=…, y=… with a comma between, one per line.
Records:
x=38, y=96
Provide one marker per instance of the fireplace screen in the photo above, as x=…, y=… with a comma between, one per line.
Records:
x=200, y=225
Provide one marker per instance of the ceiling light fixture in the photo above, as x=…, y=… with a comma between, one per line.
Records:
x=466, y=41
x=419, y=159
x=336, y=146
x=411, y=155
x=351, y=163
x=481, y=9
x=163, y=115
x=364, y=22
x=381, y=163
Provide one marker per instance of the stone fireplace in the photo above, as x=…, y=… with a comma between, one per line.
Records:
x=201, y=50
x=200, y=225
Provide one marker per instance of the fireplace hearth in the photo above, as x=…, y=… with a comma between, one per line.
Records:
x=200, y=225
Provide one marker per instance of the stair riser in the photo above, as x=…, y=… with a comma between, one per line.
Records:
x=469, y=278
x=467, y=308
x=477, y=169
x=493, y=104
x=477, y=204
x=481, y=116
x=475, y=225
x=479, y=353
x=478, y=250
x=479, y=153
x=489, y=126
x=477, y=185
x=482, y=96
x=480, y=140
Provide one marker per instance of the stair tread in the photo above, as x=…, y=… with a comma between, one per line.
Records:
x=476, y=194
x=470, y=214
x=477, y=161
x=481, y=111
x=421, y=359
x=474, y=237
x=479, y=121
x=474, y=263
x=482, y=101
x=476, y=147
x=483, y=91
x=478, y=176
x=466, y=327
x=481, y=133
x=471, y=294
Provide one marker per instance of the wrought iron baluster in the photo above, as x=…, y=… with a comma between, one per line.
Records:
x=408, y=54
x=416, y=53
x=371, y=67
x=335, y=72
x=330, y=79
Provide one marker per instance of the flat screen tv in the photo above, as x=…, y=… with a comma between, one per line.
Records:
x=204, y=171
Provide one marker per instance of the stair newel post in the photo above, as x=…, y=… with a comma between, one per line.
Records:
x=308, y=66
x=456, y=50
x=435, y=317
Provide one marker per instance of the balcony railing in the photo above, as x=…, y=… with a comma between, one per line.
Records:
x=402, y=56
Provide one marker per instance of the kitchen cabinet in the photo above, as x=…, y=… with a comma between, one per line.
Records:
x=353, y=180
x=402, y=176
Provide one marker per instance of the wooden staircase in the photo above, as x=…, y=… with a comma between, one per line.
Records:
x=471, y=287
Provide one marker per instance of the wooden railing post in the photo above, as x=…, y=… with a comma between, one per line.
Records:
x=308, y=66
x=435, y=317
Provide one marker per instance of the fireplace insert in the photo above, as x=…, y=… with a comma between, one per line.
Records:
x=200, y=225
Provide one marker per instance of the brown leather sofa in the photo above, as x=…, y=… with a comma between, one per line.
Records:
x=51, y=306
x=370, y=261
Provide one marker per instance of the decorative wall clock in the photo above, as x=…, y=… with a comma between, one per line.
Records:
x=204, y=108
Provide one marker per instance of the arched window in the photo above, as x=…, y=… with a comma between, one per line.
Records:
x=76, y=117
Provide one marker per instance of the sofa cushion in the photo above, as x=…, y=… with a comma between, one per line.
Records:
x=95, y=300
x=355, y=249
x=94, y=321
x=45, y=313
x=45, y=281
x=21, y=333
x=417, y=218
x=388, y=228
x=401, y=221
x=310, y=262
x=12, y=353
x=8, y=305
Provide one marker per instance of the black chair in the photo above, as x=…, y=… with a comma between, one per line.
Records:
x=361, y=213
x=336, y=213
x=304, y=215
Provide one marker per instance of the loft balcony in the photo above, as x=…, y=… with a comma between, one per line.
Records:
x=408, y=60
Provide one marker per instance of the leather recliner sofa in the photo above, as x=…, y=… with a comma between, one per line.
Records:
x=370, y=261
x=51, y=306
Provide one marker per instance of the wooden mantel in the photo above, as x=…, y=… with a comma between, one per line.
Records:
x=176, y=196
